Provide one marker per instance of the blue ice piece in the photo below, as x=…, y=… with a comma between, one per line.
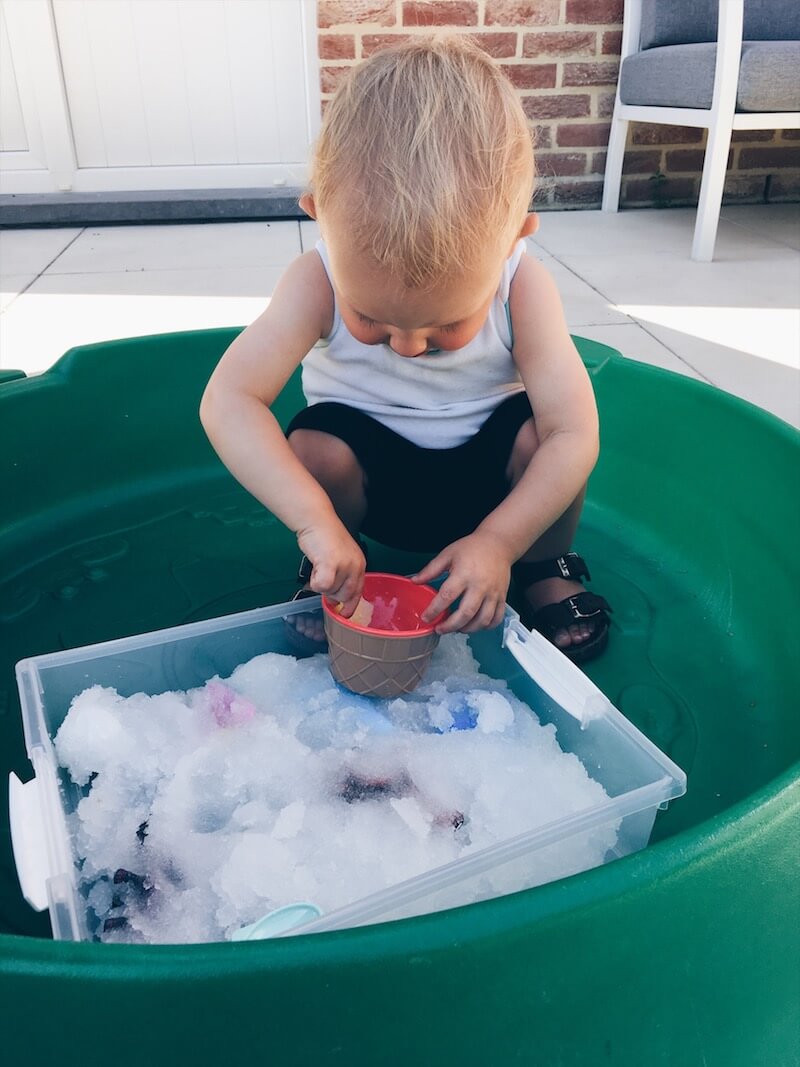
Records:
x=464, y=717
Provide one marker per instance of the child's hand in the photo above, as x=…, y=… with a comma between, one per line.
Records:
x=480, y=570
x=338, y=565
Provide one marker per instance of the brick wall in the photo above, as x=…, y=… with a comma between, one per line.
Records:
x=563, y=57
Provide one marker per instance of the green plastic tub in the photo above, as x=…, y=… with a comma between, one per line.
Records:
x=118, y=519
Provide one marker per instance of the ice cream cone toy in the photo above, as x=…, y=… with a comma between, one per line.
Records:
x=384, y=648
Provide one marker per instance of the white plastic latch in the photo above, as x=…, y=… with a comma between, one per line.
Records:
x=28, y=840
x=565, y=683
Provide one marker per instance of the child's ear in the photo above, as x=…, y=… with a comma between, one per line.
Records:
x=306, y=202
x=529, y=226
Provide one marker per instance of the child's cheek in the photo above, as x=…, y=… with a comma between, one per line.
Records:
x=365, y=335
x=450, y=341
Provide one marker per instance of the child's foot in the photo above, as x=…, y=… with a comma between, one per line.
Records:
x=551, y=591
x=306, y=629
x=558, y=606
x=311, y=625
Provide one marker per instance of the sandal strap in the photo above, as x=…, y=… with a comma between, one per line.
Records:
x=570, y=565
x=571, y=610
x=303, y=594
x=306, y=566
x=304, y=571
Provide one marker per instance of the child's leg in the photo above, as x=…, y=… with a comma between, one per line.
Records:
x=334, y=465
x=554, y=542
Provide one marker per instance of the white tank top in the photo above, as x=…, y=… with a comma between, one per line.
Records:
x=438, y=400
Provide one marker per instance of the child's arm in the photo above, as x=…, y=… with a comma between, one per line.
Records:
x=566, y=421
x=235, y=415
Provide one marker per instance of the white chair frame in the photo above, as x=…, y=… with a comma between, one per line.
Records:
x=719, y=120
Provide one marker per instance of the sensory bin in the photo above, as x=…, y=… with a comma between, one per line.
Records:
x=197, y=792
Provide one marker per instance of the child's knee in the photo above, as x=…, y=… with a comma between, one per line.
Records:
x=522, y=451
x=327, y=457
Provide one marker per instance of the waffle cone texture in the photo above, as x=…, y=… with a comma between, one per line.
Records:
x=377, y=664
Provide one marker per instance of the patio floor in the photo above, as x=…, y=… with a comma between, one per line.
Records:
x=625, y=279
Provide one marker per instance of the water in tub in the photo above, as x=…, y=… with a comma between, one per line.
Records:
x=205, y=810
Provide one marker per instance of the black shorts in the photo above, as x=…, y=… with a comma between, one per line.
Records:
x=422, y=499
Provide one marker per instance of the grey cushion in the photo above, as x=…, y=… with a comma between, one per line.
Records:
x=769, y=77
x=683, y=76
x=666, y=22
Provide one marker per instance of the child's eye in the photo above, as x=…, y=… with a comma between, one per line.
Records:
x=366, y=321
x=450, y=328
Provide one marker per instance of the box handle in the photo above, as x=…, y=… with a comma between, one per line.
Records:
x=558, y=676
x=28, y=840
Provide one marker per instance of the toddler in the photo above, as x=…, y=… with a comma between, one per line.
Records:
x=449, y=411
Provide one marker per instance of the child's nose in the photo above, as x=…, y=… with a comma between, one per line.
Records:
x=409, y=344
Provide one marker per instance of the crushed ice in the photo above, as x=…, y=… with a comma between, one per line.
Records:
x=202, y=811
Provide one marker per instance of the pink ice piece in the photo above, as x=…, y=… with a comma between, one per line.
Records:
x=383, y=614
x=227, y=707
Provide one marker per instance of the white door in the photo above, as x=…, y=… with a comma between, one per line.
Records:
x=107, y=95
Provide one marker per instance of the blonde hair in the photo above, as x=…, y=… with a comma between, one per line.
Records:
x=425, y=153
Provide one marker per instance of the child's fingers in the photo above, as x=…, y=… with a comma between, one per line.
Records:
x=462, y=621
x=338, y=584
x=447, y=595
x=463, y=616
x=438, y=565
x=323, y=579
x=347, y=607
x=490, y=615
x=348, y=592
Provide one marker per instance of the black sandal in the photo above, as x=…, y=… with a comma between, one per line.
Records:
x=575, y=608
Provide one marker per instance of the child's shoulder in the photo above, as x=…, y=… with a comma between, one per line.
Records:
x=531, y=276
x=309, y=267
x=307, y=279
x=535, y=306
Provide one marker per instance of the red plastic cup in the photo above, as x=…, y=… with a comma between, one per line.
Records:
x=390, y=656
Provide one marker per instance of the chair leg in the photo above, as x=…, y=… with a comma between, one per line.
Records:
x=616, y=154
x=711, y=184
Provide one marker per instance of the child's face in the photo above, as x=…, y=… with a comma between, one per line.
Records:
x=377, y=310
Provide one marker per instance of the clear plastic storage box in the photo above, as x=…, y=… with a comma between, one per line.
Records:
x=638, y=778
